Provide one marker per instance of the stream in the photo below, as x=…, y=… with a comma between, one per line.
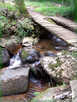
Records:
x=35, y=85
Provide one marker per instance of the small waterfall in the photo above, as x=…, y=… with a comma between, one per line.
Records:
x=15, y=61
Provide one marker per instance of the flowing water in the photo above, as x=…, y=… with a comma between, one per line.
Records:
x=35, y=85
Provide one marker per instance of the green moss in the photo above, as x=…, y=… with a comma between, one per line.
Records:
x=40, y=96
x=1, y=92
x=8, y=6
x=24, y=54
x=51, y=21
x=58, y=64
x=74, y=54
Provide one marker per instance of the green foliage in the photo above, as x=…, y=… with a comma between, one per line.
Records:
x=49, y=7
x=36, y=93
x=74, y=54
x=1, y=93
x=57, y=64
x=25, y=28
x=1, y=30
x=8, y=6
x=20, y=5
x=52, y=100
x=74, y=7
x=3, y=20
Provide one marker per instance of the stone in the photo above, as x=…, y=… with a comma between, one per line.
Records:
x=7, y=41
x=29, y=41
x=15, y=61
x=73, y=84
x=12, y=47
x=56, y=94
x=14, y=81
x=4, y=57
x=49, y=53
x=62, y=67
x=58, y=48
x=37, y=70
x=72, y=49
x=29, y=55
x=59, y=42
x=48, y=63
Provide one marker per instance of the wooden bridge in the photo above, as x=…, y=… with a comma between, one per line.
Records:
x=63, y=33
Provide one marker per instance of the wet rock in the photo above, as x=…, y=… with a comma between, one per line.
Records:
x=29, y=55
x=14, y=81
x=15, y=61
x=4, y=57
x=58, y=48
x=49, y=53
x=57, y=94
x=48, y=63
x=38, y=72
x=59, y=42
x=72, y=48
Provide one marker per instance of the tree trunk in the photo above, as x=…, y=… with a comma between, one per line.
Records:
x=21, y=7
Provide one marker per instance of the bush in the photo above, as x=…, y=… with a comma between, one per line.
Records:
x=25, y=27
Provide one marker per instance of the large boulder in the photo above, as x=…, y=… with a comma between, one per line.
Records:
x=29, y=55
x=62, y=67
x=7, y=41
x=4, y=57
x=14, y=81
x=56, y=94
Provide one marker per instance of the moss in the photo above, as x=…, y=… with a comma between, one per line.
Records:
x=40, y=96
x=51, y=21
x=74, y=54
x=58, y=64
x=24, y=54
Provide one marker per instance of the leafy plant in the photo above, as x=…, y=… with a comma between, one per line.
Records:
x=8, y=6
x=74, y=54
x=25, y=28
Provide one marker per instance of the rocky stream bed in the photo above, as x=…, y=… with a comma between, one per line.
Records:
x=35, y=68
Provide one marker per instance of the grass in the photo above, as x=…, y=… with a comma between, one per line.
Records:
x=49, y=8
x=8, y=6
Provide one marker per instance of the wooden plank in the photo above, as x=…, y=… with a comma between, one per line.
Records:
x=61, y=32
x=65, y=22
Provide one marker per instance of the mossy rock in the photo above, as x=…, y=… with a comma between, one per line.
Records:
x=29, y=55
x=4, y=57
x=58, y=64
x=24, y=54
